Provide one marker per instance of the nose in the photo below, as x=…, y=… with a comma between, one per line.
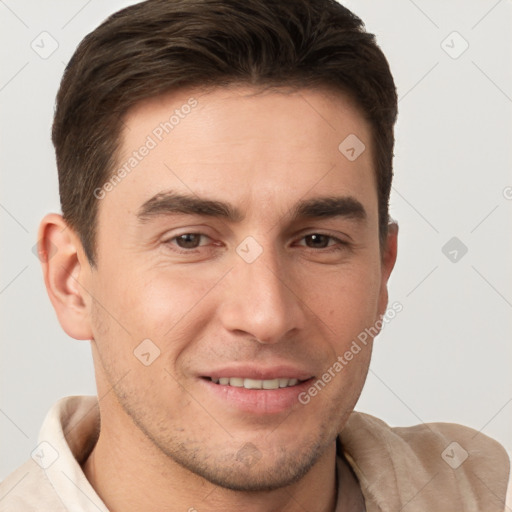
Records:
x=261, y=299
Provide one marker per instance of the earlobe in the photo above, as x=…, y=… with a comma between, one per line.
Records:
x=64, y=266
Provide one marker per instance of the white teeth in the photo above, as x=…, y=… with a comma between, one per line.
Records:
x=253, y=384
x=271, y=384
x=239, y=382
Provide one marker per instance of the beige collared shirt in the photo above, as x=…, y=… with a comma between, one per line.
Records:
x=431, y=467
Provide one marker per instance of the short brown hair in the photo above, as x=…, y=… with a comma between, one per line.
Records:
x=157, y=46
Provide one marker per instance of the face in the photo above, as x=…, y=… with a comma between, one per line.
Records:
x=242, y=245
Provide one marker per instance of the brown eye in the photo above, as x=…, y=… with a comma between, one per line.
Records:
x=318, y=241
x=191, y=244
x=188, y=240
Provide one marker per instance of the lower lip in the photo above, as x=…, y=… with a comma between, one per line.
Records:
x=258, y=401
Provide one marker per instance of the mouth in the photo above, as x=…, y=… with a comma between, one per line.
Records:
x=248, y=383
x=273, y=392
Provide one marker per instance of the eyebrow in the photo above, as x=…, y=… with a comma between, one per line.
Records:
x=173, y=203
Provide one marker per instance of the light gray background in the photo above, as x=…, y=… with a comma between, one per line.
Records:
x=446, y=356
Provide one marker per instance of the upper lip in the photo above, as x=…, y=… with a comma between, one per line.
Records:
x=259, y=372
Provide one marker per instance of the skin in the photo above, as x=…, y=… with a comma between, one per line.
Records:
x=167, y=442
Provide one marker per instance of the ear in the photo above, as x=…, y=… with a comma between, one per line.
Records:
x=388, y=260
x=65, y=269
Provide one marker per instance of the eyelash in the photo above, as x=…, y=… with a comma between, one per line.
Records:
x=339, y=246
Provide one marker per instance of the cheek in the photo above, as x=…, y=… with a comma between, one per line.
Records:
x=351, y=298
x=158, y=305
x=162, y=301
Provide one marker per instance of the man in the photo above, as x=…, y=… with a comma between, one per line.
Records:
x=225, y=244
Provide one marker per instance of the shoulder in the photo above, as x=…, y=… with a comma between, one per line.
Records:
x=430, y=462
x=28, y=489
x=52, y=481
x=448, y=440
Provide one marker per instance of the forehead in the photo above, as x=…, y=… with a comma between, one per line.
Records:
x=253, y=148
x=275, y=116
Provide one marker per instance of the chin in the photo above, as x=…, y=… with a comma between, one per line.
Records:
x=261, y=476
x=252, y=469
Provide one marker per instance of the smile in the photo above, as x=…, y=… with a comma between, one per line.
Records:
x=240, y=382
